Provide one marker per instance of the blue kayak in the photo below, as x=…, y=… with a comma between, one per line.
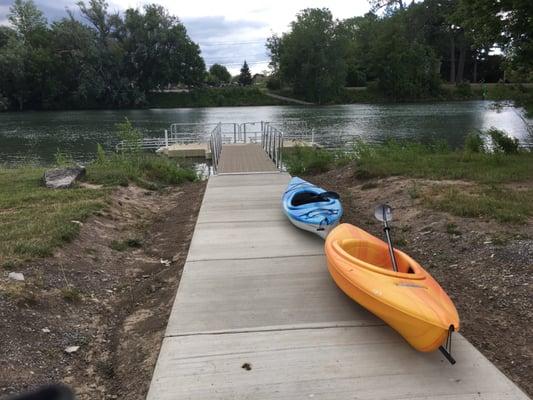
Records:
x=311, y=208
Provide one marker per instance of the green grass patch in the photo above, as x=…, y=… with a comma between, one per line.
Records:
x=149, y=171
x=35, y=219
x=438, y=162
x=213, y=97
x=302, y=160
x=504, y=205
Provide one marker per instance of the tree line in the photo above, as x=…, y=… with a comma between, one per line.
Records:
x=108, y=60
x=405, y=50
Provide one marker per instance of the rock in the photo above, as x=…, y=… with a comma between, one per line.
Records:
x=62, y=178
x=72, y=349
x=16, y=276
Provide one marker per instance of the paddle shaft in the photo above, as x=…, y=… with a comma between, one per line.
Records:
x=386, y=228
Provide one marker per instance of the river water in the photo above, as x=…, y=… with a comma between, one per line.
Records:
x=34, y=137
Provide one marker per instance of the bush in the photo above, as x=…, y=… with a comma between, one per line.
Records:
x=503, y=143
x=474, y=142
x=308, y=160
x=149, y=171
x=273, y=83
x=464, y=90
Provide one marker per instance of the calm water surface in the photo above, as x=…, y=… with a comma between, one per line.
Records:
x=35, y=136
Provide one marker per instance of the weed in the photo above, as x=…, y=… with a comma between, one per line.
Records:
x=451, y=229
x=118, y=245
x=71, y=294
x=413, y=191
x=474, y=142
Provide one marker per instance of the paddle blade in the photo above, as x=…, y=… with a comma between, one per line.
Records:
x=383, y=212
x=330, y=195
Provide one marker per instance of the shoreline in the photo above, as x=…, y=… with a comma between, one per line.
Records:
x=258, y=97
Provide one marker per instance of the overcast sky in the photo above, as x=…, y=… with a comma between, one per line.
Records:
x=228, y=31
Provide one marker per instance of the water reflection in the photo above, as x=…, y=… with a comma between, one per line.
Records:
x=36, y=136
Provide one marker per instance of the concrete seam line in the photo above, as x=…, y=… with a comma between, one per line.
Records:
x=254, y=258
x=277, y=329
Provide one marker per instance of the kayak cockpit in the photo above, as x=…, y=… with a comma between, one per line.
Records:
x=375, y=256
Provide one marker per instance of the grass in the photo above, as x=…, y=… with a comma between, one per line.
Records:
x=213, y=97
x=35, y=219
x=487, y=197
x=149, y=171
x=503, y=205
x=436, y=162
x=300, y=160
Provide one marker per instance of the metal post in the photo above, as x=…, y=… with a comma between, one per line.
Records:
x=313, y=137
x=244, y=132
x=234, y=133
x=166, y=139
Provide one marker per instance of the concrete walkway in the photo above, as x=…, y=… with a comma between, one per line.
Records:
x=257, y=316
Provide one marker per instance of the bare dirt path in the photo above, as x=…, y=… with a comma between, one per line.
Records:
x=485, y=266
x=107, y=294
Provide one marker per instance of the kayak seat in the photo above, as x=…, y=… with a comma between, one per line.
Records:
x=375, y=254
x=299, y=199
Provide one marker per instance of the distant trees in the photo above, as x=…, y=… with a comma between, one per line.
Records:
x=310, y=56
x=407, y=49
x=112, y=60
x=218, y=74
x=245, y=77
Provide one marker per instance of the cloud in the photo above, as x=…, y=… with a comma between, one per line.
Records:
x=228, y=32
x=229, y=42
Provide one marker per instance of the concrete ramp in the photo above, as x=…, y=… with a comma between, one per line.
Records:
x=257, y=316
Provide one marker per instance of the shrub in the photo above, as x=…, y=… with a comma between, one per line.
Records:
x=474, y=142
x=273, y=83
x=308, y=160
x=503, y=143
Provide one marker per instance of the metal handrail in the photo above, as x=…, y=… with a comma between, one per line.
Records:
x=215, y=144
x=272, y=143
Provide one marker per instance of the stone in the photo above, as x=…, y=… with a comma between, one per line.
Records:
x=16, y=276
x=62, y=178
x=72, y=349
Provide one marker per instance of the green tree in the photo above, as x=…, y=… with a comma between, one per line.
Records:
x=406, y=68
x=219, y=74
x=311, y=56
x=245, y=77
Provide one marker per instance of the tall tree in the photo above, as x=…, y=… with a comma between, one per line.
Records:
x=311, y=56
x=245, y=77
x=219, y=74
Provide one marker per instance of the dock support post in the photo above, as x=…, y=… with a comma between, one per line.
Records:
x=166, y=139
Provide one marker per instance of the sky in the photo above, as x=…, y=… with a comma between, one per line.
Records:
x=228, y=31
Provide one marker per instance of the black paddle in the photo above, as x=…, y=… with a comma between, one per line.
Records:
x=383, y=213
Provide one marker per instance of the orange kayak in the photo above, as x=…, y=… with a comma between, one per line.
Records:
x=409, y=300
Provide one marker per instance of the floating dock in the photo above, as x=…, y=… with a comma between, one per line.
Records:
x=257, y=315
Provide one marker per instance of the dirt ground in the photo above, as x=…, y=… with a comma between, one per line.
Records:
x=485, y=266
x=109, y=292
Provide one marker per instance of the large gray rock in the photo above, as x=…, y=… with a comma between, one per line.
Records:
x=62, y=178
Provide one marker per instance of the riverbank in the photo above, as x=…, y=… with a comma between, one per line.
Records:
x=213, y=97
x=101, y=264
x=522, y=94
x=467, y=218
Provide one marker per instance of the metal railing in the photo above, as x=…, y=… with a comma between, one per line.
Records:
x=272, y=143
x=215, y=145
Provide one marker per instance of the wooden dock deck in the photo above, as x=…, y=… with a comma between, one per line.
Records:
x=241, y=158
x=257, y=315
